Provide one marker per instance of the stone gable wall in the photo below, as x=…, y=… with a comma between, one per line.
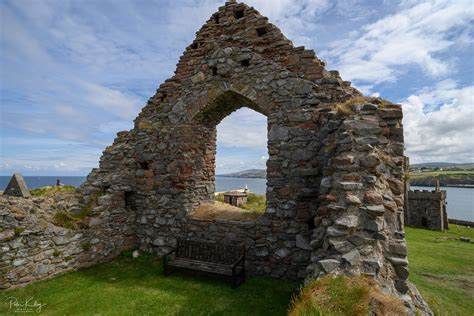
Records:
x=335, y=179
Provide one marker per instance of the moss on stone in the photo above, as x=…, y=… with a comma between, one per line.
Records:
x=18, y=231
x=86, y=246
x=65, y=220
x=145, y=125
x=86, y=210
x=346, y=108
x=70, y=221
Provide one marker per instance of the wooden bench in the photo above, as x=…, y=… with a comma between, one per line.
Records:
x=213, y=258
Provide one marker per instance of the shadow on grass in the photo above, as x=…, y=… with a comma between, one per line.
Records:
x=127, y=286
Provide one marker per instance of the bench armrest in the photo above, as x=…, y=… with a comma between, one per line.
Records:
x=165, y=257
x=240, y=261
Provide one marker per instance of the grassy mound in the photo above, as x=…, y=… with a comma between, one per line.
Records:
x=345, y=108
x=219, y=210
x=343, y=295
x=49, y=191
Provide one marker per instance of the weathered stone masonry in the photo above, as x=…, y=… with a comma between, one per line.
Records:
x=335, y=190
x=335, y=182
x=33, y=248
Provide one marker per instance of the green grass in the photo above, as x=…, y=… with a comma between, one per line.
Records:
x=52, y=190
x=443, y=269
x=461, y=174
x=219, y=197
x=129, y=286
x=429, y=178
x=256, y=203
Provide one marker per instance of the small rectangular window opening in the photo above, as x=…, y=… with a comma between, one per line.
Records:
x=311, y=224
x=239, y=14
x=163, y=97
x=214, y=71
x=245, y=62
x=131, y=200
x=261, y=31
x=144, y=165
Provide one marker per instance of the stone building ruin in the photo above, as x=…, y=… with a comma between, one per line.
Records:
x=235, y=198
x=335, y=175
x=427, y=209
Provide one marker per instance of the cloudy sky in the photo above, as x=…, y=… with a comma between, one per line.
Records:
x=75, y=72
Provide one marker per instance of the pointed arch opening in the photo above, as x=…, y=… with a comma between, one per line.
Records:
x=224, y=105
x=237, y=152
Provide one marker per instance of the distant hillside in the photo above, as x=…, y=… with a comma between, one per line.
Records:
x=251, y=173
x=447, y=173
x=425, y=174
x=445, y=178
x=449, y=165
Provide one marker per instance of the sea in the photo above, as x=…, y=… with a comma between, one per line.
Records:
x=460, y=200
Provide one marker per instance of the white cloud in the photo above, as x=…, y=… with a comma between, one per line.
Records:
x=111, y=100
x=413, y=36
x=295, y=18
x=236, y=162
x=243, y=128
x=439, y=124
x=303, y=21
x=242, y=142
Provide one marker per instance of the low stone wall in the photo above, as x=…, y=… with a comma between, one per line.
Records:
x=260, y=245
x=461, y=222
x=33, y=248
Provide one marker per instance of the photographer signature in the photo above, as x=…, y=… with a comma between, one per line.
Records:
x=28, y=306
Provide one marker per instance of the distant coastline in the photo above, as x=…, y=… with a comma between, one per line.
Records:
x=428, y=175
x=464, y=186
x=35, y=182
x=250, y=173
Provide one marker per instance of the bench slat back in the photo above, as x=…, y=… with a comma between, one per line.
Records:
x=208, y=252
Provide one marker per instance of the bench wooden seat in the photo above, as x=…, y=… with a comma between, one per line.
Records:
x=227, y=261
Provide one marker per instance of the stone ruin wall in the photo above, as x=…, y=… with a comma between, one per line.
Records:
x=427, y=209
x=334, y=181
x=33, y=248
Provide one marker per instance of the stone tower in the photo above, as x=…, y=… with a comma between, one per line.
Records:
x=427, y=209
